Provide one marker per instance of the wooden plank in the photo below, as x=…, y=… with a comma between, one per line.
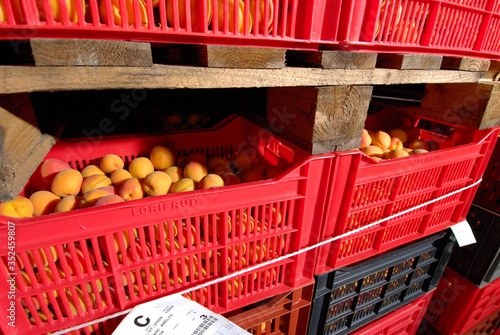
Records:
x=17, y=79
x=493, y=72
x=216, y=56
x=22, y=145
x=465, y=64
x=319, y=119
x=409, y=61
x=472, y=105
x=239, y=57
x=328, y=59
x=61, y=52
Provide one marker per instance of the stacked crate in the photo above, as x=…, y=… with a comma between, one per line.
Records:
x=470, y=291
x=78, y=269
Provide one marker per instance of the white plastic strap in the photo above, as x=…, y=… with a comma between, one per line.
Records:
x=278, y=259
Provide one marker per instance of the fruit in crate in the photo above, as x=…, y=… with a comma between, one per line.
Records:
x=60, y=188
x=227, y=13
x=117, y=15
x=20, y=207
x=53, y=9
x=16, y=11
x=182, y=13
x=395, y=143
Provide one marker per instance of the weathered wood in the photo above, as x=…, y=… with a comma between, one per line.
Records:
x=61, y=52
x=215, y=56
x=319, y=119
x=22, y=145
x=465, y=64
x=239, y=57
x=493, y=72
x=409, y=61
x=328, y=59
x=473, y=105
x=17, y=79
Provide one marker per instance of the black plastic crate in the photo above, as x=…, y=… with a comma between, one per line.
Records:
x=350, y=297
x=480, y=262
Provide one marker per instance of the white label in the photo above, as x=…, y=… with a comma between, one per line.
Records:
x=175, y=315
x=463, y=233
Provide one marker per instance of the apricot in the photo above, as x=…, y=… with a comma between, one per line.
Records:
x=68, y=203
x=175, y=173
x=183, y=185
x=232, y=20
x=16, y=11
x=373, y=151
x=119, y=176
x=108, y=200
x=209, y=181
x=252, y=175
x=140, y=167
x=57, y=12
x=381, y=139
x=44, y=202
x=182, y=15
x=397, y=153
x=395, y=144
x=162, y=157
x=157, y=183
x=366, y=139
x=91, y=170
x=94, y=182
x=230, y=178
x=221, y=169
x=399, y=133
x=195, y=170
x=19, y=207
x=418, y=144
x=419, y=151
x=111, y=162
x=130, y=13
x=131, y=189
x=90, y=198
x=50, y=167
x=67, y=182
x=261, y=20
x=196, y=157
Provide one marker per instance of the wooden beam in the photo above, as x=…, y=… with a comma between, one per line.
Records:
x=473, y=105
x=239, y=57
x=319, y=119
x=61, y=52
x=17, y=79
x=409, y=61
x=465, y=64
x=22, y=145
x=327, y=59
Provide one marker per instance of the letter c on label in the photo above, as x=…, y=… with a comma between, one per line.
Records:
x=138, y=324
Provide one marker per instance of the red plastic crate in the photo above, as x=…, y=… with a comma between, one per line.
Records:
x=278, y=23
x=488, y=193
x=82, y=265
x=363, y=191
x=403, y=321
x=284, y=314
x=444, y=27
x=458, y=305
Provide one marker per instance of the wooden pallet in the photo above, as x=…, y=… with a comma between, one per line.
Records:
x=316, y=99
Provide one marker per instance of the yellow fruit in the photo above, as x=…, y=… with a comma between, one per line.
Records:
x=162, y=157
x=373, y=151
x=366, y=139
x=381, y=139
x=397, y=153
x=399, y=133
